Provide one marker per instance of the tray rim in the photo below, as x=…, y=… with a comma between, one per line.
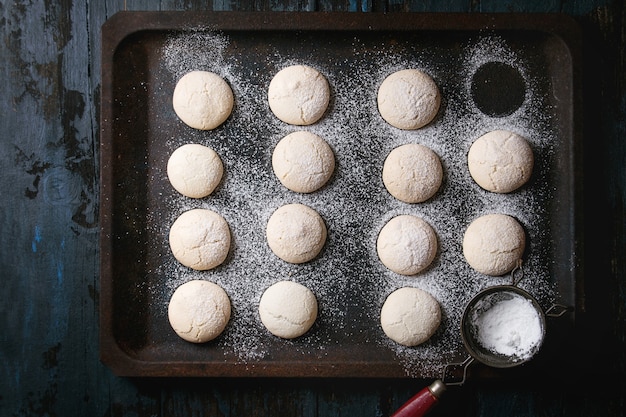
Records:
x=124, y=24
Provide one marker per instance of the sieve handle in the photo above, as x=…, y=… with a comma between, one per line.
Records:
x=422, y=402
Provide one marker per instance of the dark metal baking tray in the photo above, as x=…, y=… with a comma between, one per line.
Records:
x=139, y=130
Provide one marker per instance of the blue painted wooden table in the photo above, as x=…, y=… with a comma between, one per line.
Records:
x=49, y=230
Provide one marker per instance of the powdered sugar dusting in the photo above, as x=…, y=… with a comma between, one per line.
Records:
x=347, y=278
x=507, y=324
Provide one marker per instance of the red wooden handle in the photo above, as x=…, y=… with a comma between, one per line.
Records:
x=421, y=402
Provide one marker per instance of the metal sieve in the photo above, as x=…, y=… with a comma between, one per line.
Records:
x=480, y=304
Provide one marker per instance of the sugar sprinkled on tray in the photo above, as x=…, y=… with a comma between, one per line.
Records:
x=347, y=278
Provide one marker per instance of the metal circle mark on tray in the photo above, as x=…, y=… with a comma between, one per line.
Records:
x=498, y=89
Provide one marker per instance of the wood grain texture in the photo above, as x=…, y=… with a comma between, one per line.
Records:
x=49, y=106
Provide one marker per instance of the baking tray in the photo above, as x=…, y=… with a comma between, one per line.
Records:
x=143, y=55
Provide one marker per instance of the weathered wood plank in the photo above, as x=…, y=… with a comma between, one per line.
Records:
x=494, y=6
x=52, y=205
x=454, y=6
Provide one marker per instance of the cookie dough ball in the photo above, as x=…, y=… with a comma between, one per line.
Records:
x=288, y=309
x=410, y=316
x=203, y=100
x=406, y=245
x=296, y=233
x=199, y=311
x=493, y=244
x=408, y=99
x=299, y=95
x=303, y=162
x=194, y=170
x=500, y=161
x=200, y=239
x=412, y=173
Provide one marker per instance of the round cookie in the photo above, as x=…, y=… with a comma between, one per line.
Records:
x=408, y=99
x=288, y=309
x=493, y=244
x=298, y=95
x=194, y=170
x=410, y=316
x=296, y=233
x=199, y=311
x=406, y=244
x=200, y=239
x=202, y=100
x=412, y=173
x=500, y=161
x=303, y=162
